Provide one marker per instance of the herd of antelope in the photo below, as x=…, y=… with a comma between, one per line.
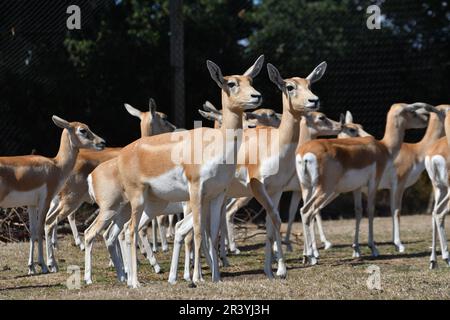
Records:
x=138, y=185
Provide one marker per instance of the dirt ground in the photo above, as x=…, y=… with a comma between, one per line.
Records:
x=337, y=276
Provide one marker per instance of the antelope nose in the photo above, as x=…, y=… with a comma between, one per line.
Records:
x=314, y=100
x=258, y=96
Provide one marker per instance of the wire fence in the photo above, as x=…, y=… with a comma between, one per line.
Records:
x=122, y=54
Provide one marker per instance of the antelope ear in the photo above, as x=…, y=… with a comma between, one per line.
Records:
x=208, y=115
x=251, y=115
x=275, y=77
x=342, y=119
x=317, y=73
x=152, y=106
x=208, y=106
x=348, y=117
x=61, y=122
x=133, y=111
x=254, y=70
x=216, y=74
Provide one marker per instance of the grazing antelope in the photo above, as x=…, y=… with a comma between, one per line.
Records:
x=437, y=164
x=262, y=179
x=152, y=178
x=75, y=190
x=328, y=167
x=33, y=180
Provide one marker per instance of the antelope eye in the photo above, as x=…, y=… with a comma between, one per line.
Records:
x=290, y=87
x=231, y=84
x=352, y=130
x=83, y=131
x=321, y=118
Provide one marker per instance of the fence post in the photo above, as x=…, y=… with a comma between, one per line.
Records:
x=177, y=61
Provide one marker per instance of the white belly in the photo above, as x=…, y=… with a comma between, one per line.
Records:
x=24, y=198
x=356, y=178
x=171, y=186
x=415, y=173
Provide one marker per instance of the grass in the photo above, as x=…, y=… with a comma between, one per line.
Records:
x=338, y=276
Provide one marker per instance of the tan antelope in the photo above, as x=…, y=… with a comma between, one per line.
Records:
x=262, y=178
x=75, y=190
x=328, y=167
x=260, y=117
x=34, y=180
x=408, y=165
x=437, y=163
x=152, y=178
x=349, y=129
x=313, y=124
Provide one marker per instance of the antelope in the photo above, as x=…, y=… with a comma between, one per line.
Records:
x=260, y=117
x=328, y=167
x=262, y=179
x=75, y=190
x=437, y=164
x=151, y=178
x=313, y=124
x=349, y=129
x=408, y=165
x=33, y=180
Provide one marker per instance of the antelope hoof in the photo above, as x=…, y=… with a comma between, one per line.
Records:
x=31, y=270
x=327, y=245
x=289, y=247
x=375, y=252
x=235, y=251
x=312, y=260
x=316, y=253
x=157, y=268
x=53, y=268
x=81, y=246
x=165, y=248
x=187, y=277
x=110, y=263
x=44, y=268
x=281, y=272
x=88, y=281
x=400, y=248
x=135, y=285
x=172, y=281
x=356, y=254
x=433, y=264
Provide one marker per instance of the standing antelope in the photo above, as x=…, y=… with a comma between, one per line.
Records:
x=437, y=163
x=328, y=167
x=152, y=179
x=33, y=180
x=263, y=179
x=408, y=165
x=348, y=130
x=75, y=190
x=312, y=124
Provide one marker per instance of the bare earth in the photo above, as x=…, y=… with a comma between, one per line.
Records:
x=338, y=276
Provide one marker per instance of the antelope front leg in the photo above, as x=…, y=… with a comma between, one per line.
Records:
x=143, y=235
x=327, y=244
x=182, y=228
x=293, y=207
x=216, y=208
x=73, y=227
x=32, y=217
x=396, y=206
x=370, y=212
x=132, y=232
x=357, y=199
